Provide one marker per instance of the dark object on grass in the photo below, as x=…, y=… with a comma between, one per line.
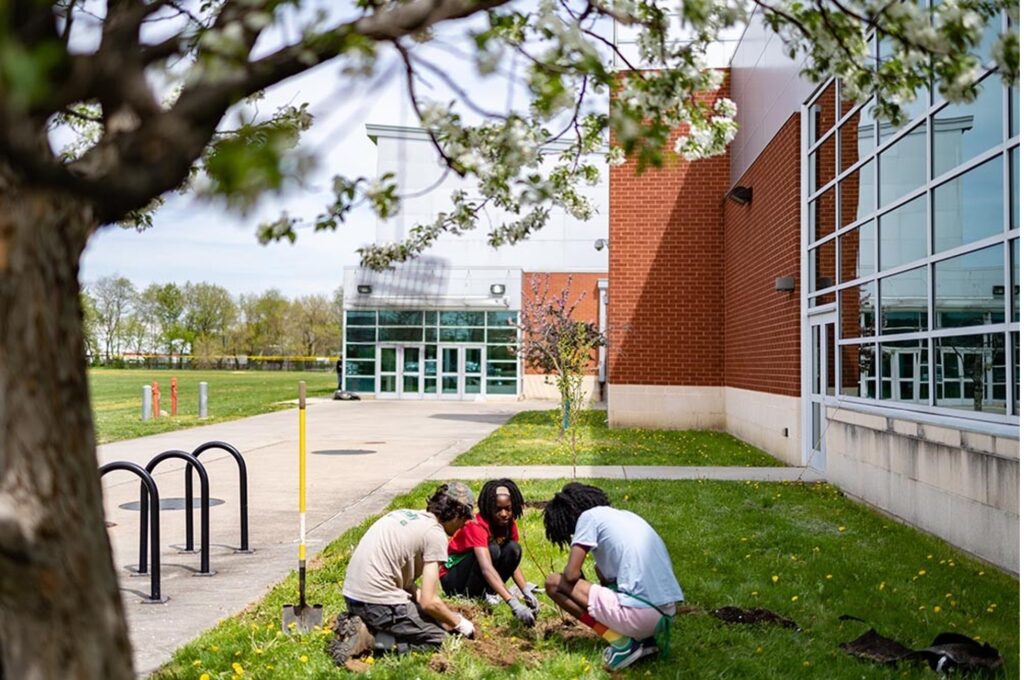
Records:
x=877, y=648
x=756, y=615
x=345, y=395
x=948, y=652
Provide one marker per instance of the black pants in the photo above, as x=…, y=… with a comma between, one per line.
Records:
x=466, y=578
x=400, y=628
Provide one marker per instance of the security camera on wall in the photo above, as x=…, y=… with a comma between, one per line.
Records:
x=600, y=244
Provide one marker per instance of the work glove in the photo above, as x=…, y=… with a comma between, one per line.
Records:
x=464, y=627
x=521, y=612
x=531, y=601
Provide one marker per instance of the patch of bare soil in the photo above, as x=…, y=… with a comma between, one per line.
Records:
x=565, y=630
x=750, y=616
x=439, y=663
x=505, y=650
x=357, y=666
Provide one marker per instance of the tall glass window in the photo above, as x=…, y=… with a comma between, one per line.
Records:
x=918, y=229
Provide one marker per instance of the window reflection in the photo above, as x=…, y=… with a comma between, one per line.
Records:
x=859, y=370
x=857, y=252
x=962, y=131
x=905, y=371
x=857, y=194
x=857, y=311
x=904, y=302
x=902, y=166
x=970, y=372
x=969, y=207
x=970, y=290
x=903, y=234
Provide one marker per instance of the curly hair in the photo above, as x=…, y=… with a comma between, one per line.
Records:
x=565, y=508
x=488, y=499
x=446, y=508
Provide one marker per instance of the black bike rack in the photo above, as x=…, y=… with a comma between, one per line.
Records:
x=204, y=509
x=243, y=493
x=154, y=525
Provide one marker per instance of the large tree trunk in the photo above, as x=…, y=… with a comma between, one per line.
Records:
x=61, y=614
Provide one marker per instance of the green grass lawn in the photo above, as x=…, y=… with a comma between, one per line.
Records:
x=803, y=551
x=116, y=396
x=531, y=438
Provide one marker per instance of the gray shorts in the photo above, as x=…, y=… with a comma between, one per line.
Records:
x=411, y=629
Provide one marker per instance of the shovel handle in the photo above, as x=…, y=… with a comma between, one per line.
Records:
x=302, y=493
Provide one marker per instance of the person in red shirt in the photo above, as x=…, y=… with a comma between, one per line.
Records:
x=485, y=552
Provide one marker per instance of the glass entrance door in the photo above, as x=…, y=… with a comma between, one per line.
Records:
x=400, y=372
x=462, y=371
x=822, y=371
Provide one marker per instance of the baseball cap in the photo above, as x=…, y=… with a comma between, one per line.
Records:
x=460, y=492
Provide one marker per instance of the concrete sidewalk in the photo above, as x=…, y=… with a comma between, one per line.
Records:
x=360, y=455
x=759, y=474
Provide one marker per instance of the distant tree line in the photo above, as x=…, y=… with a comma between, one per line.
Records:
x=205, y=322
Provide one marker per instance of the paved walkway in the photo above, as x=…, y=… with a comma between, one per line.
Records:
x=361, y=455
x=759, y=474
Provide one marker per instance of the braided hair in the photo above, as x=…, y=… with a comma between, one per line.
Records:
x=488, y=499
x=565, y=508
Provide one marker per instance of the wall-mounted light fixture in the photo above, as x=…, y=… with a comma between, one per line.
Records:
x=998, y=291
x=497, y=289
x=785, y=284
x=741, y=194
x=600, y=244
x=364, y=289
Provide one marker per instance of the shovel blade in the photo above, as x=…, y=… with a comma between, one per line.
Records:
x=301, y=619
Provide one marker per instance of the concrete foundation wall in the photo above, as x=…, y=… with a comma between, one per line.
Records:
x=768, y=421
x=536, y=387
x=670, y=407
x=960, y=486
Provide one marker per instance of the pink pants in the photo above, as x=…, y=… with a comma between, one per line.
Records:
x=636, y=622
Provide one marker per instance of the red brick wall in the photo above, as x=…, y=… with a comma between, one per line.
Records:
x=582, y=287
x=762, y=241
x=665, y=297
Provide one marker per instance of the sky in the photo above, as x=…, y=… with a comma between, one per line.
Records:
x=193, y=240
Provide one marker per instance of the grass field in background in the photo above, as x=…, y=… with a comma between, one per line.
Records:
x=116, y=396
x=531, y=438
x=803, y=551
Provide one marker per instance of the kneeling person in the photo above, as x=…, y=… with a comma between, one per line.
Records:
x=485, y=553
x=638, y=589
x=380, y=582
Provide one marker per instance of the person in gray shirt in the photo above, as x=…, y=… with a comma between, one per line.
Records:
x=638, y=590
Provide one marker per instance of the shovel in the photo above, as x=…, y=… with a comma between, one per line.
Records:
x=302, y=617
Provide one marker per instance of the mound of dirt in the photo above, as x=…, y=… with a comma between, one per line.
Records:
x=756, y=615
x=565, y=630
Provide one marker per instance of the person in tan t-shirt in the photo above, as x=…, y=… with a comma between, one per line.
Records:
x=380, y=582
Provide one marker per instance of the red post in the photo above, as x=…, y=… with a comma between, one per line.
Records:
x=174, y=397
x=156, y=399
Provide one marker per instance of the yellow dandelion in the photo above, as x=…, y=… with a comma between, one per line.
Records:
x=238, y=654
x=949, y=595
x=842, y=528
x=775, y=579
x=807, y=664
x=881, y=586
x=197, y=663
x=237, y=668
x=303, y=658
x=291, y=626
x=922, y=572
x=253, y=626
x=993, y=605
x=370, y=660
x=204, y=676
x=259, y=651
x=794, y=598
x=929, y=557
x=626, y=497
x=214, y=648
x=828, y=577
x=754, y=593
x=759, y=650
x=981, y=573
x=937, y=609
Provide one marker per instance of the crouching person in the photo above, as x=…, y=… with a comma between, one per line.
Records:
x=386, y=611
x=485, y=553
x=637, y=595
